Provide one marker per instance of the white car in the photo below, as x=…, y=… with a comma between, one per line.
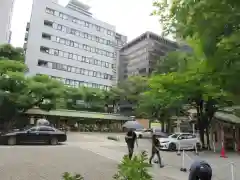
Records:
x=144, y=133
x=183, y=141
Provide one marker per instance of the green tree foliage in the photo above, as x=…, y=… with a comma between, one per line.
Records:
x=9, y=52
x=133, y=87
x=19, y=93
x=219, y=42
x=194, y=87
x=83, y=98
x=159, y=102
x=173, y=62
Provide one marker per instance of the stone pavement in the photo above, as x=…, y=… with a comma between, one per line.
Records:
x=96, y=158
x=49, y=162
x=116, y=150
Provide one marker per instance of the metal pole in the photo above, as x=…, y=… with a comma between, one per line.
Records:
x=179, y=150
x=196, y=150
x=193, y=128
x=183, y=159
x=183, y=162
x=232, y=171
x=214, y=147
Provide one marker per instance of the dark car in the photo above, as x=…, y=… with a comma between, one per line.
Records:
x=36, y=134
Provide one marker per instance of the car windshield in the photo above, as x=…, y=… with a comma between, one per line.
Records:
x=139, y=130
x=174, y=136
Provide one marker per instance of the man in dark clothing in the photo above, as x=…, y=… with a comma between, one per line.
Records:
x=131, y=139
x=200, y=170
x=155, y=150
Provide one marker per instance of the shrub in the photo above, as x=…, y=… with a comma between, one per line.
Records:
x=68, y=176
x=135, y=169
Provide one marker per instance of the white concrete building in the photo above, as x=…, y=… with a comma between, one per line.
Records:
x=68, y=44
x=6, y=9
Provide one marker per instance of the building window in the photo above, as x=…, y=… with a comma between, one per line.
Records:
x=55, y=52
x=44, y=49
x=86, y=24
x=48, y=23
x=109, y=32
x=97, y=28
x=69, y=68
x=83, y=59
x=59, y=27
x=62, y=41
x=70, y=56
x=71, y=43
x=76, y=45
x=74, y=57
x=46, y=36
x=50, y=11
x=74, y=20
x=73, y=31
x=42, y=63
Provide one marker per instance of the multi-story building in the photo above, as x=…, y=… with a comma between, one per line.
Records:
x=68, y=44
x=121, y=40
x=141, y=54
x=6, y=10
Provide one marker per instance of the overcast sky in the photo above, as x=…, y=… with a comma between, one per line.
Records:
x=130, y=17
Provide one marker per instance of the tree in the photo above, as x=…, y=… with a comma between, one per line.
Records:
x=159, y=103
x=219, y=42
x=19, y=93
x=83, y=98
x=134, y=86
x=194, y=87
x=113, y=97
x=173, y=62
x=9, y=52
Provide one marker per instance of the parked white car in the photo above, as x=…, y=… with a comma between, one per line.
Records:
x=184, y=141
x=144, y=133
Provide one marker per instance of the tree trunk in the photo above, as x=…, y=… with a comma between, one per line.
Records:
x=200, y=123
x=208, y=138
x=168, y=129
x=163, y=126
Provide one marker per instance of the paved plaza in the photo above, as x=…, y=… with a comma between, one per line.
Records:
x=93, y=156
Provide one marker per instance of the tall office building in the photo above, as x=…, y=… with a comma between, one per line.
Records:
x=140, y=55
x=68, y=44
x=121, y=40
x=6, y=10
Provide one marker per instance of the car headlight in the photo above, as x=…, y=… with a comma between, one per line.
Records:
x=165, y=142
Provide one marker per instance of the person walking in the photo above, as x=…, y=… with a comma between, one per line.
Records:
x=155, y=150
x=131, y=139
x=200, y=170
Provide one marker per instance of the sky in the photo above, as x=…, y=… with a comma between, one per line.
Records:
x=130, y=17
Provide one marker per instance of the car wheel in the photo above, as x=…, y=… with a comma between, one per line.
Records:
x=172, y=147
x=12, y=141
x=140, y=136
x=53, y=141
